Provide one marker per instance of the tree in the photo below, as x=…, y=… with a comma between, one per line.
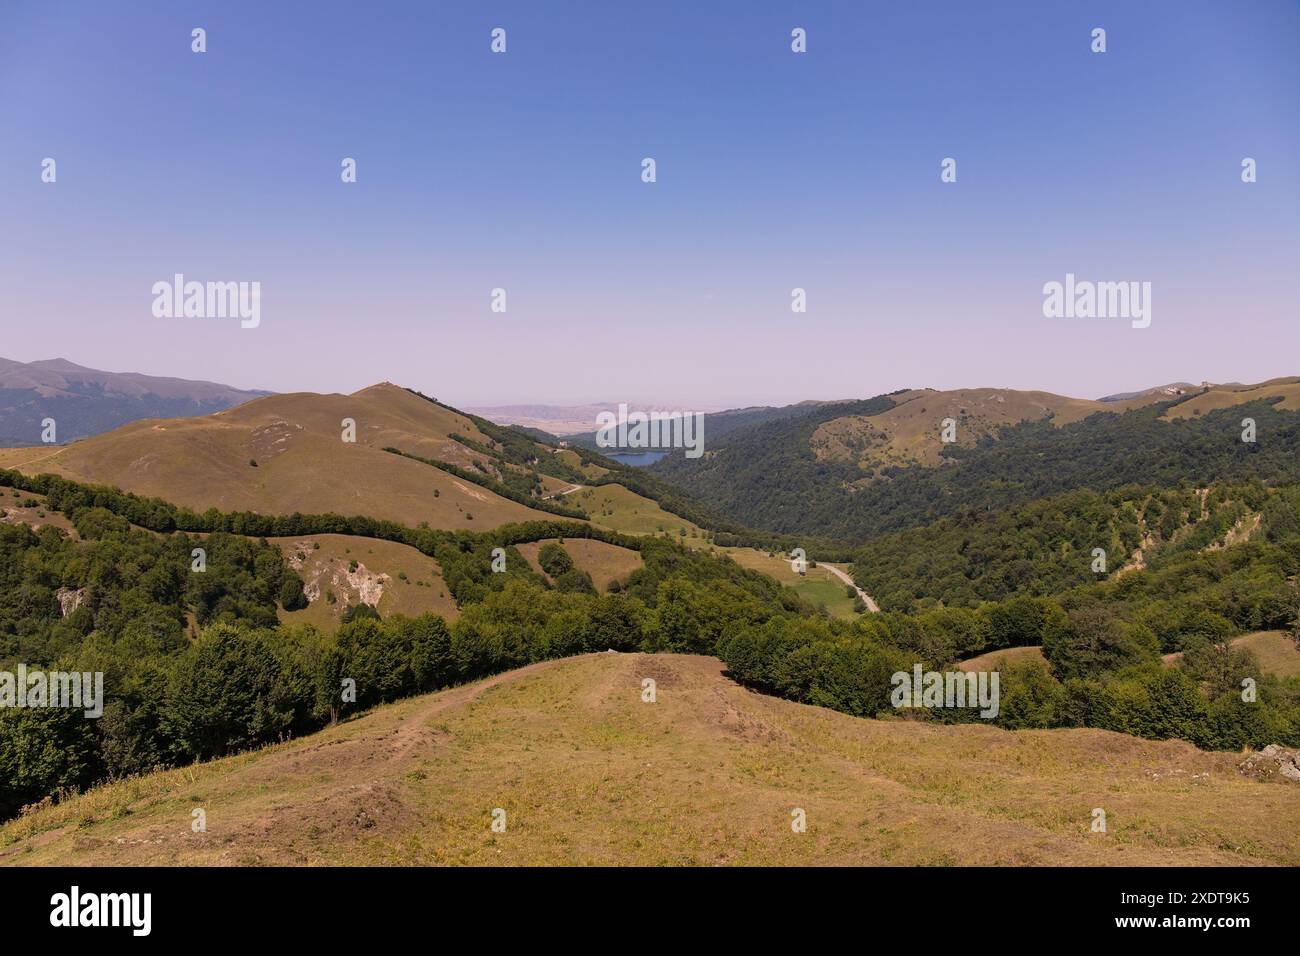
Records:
x=228, y=692
x=553, y=559
x=292, y=597
x=1089, y=641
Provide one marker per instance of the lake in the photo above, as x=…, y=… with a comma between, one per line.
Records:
x=637, y=459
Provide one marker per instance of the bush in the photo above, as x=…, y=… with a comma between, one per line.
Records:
x=554, y=560
x=292, y=597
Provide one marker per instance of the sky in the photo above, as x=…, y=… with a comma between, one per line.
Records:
x=775, y=170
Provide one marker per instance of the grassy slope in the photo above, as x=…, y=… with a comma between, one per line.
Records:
x=908, y=433
x=617, y=508
x=378, y=563
x=1225, y=396
x=708, y=774
x=302, y=463
x=12, y=511
x=1001, y=658
x=1275, y=651
x=604, y=562
x=818, y=587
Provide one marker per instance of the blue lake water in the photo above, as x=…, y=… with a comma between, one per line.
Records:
x=637, y=459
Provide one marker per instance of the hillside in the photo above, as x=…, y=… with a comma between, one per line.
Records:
x=606, y=563
x=708, y=774
x=86, y=401
x=414, y=461
x=302, y=463
x=908, y=433
x=340, y=571
x=858, y=470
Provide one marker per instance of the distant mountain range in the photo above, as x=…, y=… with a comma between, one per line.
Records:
x=567, y=420
x=86, y=401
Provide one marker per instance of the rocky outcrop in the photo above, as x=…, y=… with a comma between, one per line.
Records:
x=1272, y=761
x=70, y=599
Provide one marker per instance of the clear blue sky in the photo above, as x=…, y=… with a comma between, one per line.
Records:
x=775, y=170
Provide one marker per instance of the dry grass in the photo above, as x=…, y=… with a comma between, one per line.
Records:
x=909, y=433
x=302, y=463
x=1275, y=651
x=13, y=511
x=604, y=562
x=409, y=582
x=997, y=659
x=708, y=774
x=1226, y=396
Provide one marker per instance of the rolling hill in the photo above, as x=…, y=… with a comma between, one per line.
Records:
x=340, y=571
x=708, y=774
x=86, y=401
x=414, y=461
x=851, y=471
x=285, y=453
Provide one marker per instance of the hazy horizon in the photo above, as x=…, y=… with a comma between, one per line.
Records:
x=663, y=402
x=775, y=171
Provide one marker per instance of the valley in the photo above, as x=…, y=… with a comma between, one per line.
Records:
x=493, y=596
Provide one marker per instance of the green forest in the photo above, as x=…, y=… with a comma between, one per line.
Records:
x=197, y=666
x=767, y=477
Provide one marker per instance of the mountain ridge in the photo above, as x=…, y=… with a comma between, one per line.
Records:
x=85, y=401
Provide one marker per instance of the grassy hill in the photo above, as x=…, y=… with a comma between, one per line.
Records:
x=1227, y=396
x=617, y=508
x=21, y=507
x=302, y=463
x=284, y=454
x=908, y=433
x=605, y=563
x=708, y=774
x=394, y=578
x=1275, y=651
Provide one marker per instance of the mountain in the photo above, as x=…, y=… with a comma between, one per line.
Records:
x=413, y=461
x=588, y=774
x=566, y=553
x=854, y=470
x=285, y=453
x=86, y=401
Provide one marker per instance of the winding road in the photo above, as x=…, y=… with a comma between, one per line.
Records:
x=844, y=576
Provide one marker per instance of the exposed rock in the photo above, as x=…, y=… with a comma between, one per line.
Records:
x=70, y=599
x=1272, y=761
x=366, y=586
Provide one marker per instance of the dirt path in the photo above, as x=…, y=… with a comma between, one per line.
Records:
x=872, y=606
x=567, y=491
x=587, y=771
x=256, y=815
